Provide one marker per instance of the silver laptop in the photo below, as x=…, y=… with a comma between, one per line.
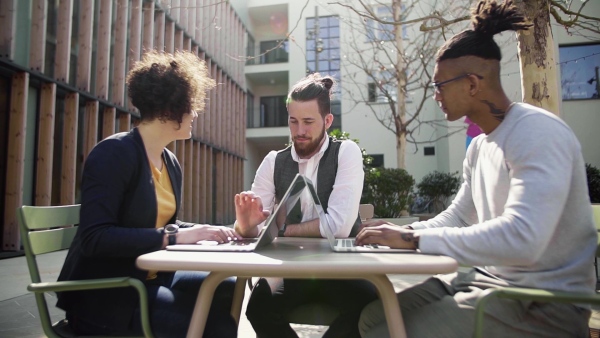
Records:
x=268, y=233
x=344, y=244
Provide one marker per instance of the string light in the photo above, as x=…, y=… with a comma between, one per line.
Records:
x=559, y=63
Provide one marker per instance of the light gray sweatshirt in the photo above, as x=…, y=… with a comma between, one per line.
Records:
x=523, y=211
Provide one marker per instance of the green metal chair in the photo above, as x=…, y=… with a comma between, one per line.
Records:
x=49, y=229
x=535, y=294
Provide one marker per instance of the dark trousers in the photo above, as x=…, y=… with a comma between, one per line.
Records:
x=273, y=299
x=171, y=304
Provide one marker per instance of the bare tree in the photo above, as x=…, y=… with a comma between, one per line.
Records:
x=539, y=80
x=397, y=71
x=539, y=77
x=397, y=66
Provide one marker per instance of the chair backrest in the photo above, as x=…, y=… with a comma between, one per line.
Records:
x=44, y=230
x=366, y=211
x=596, y=213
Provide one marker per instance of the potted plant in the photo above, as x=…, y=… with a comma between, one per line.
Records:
x=593, y=180
x=435, y=189
x=389, y=190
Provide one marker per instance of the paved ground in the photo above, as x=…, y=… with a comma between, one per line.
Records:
x=19, y=315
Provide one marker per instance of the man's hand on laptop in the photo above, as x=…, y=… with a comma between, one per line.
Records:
x=373, y=223
x=249, y=213
x=390, y=235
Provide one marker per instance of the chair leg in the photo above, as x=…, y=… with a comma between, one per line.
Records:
x=596, y=268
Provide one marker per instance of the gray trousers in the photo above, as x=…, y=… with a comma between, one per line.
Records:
x=444, y=306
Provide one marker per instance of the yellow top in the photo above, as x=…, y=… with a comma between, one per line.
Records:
x=165, y=200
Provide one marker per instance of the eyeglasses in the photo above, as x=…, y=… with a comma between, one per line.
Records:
x=438, y=85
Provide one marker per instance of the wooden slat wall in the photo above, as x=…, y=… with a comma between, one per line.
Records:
x=69, y=149
x=7, y=28
x=90, y=137
x=212, y=160
x=37, y=44
x=84, y=59
x=120, y=57
x=159, y=30
x=45, y=160
x=63, y=41
x=15, y=164
x=103, y=49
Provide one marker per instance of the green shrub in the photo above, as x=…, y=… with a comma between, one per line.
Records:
x=437, y=187
x=389, y=190
x=593, y=179
x=342, y=135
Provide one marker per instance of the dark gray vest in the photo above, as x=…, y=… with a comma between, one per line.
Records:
x=286, y=169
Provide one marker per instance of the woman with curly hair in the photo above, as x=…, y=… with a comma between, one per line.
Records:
x=522, y=217
x=130, y=196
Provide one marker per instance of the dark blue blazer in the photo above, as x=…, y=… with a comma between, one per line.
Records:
x=117, y=224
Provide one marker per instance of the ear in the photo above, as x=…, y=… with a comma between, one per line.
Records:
x=328, y=120
x=474, y=85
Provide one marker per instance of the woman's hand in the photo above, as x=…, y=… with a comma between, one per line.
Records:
x=249, y=213
x=205, y=232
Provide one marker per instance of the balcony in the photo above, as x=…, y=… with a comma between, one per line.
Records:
x=271, y=113
x=269, y=52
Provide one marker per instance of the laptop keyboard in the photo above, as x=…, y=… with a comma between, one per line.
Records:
x=349, y=243
x=243, y=242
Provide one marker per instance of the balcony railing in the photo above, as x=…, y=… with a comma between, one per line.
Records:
x=268, y=52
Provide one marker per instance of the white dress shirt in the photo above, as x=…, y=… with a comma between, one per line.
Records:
x=342, y=208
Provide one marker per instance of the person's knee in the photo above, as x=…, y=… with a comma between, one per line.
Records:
x=371, y=316
x=260, y=298
x=220, y=324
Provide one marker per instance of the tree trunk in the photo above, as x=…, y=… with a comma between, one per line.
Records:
x=400, y=118
x=539, y=80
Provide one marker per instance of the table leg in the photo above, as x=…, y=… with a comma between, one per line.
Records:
x=205, y=296
x=238, y=298
x=390, y=305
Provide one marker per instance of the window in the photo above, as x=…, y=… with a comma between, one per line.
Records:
x=384, y=88
x=429, y=151
x=377, y=31
x=323, y=48
x=250, y=110
x=336, y=111
x=579, y=68
x=270, y=53
x=251, y=51
x=273, y=112
x=323, y=56
x=377, y=161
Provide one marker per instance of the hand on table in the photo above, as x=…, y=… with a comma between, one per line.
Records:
x=205, y=232
x=373, y=223
x=388, y=234
x=249, y=213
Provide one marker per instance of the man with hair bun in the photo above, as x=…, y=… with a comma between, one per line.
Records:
x=335, y=167
x=522, y=216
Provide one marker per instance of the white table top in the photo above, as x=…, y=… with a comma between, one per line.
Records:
x=301, y=257
x=296, y=258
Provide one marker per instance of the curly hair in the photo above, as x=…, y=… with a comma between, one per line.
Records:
x=488, y=18
x=166, y=86
x=313, y=86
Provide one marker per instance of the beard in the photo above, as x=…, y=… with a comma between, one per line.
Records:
x=307, y=149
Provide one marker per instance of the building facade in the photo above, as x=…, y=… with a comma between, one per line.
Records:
x=62, y=89
x=329, y=37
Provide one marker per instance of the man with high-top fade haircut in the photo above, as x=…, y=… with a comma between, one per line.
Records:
x=522, y=216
